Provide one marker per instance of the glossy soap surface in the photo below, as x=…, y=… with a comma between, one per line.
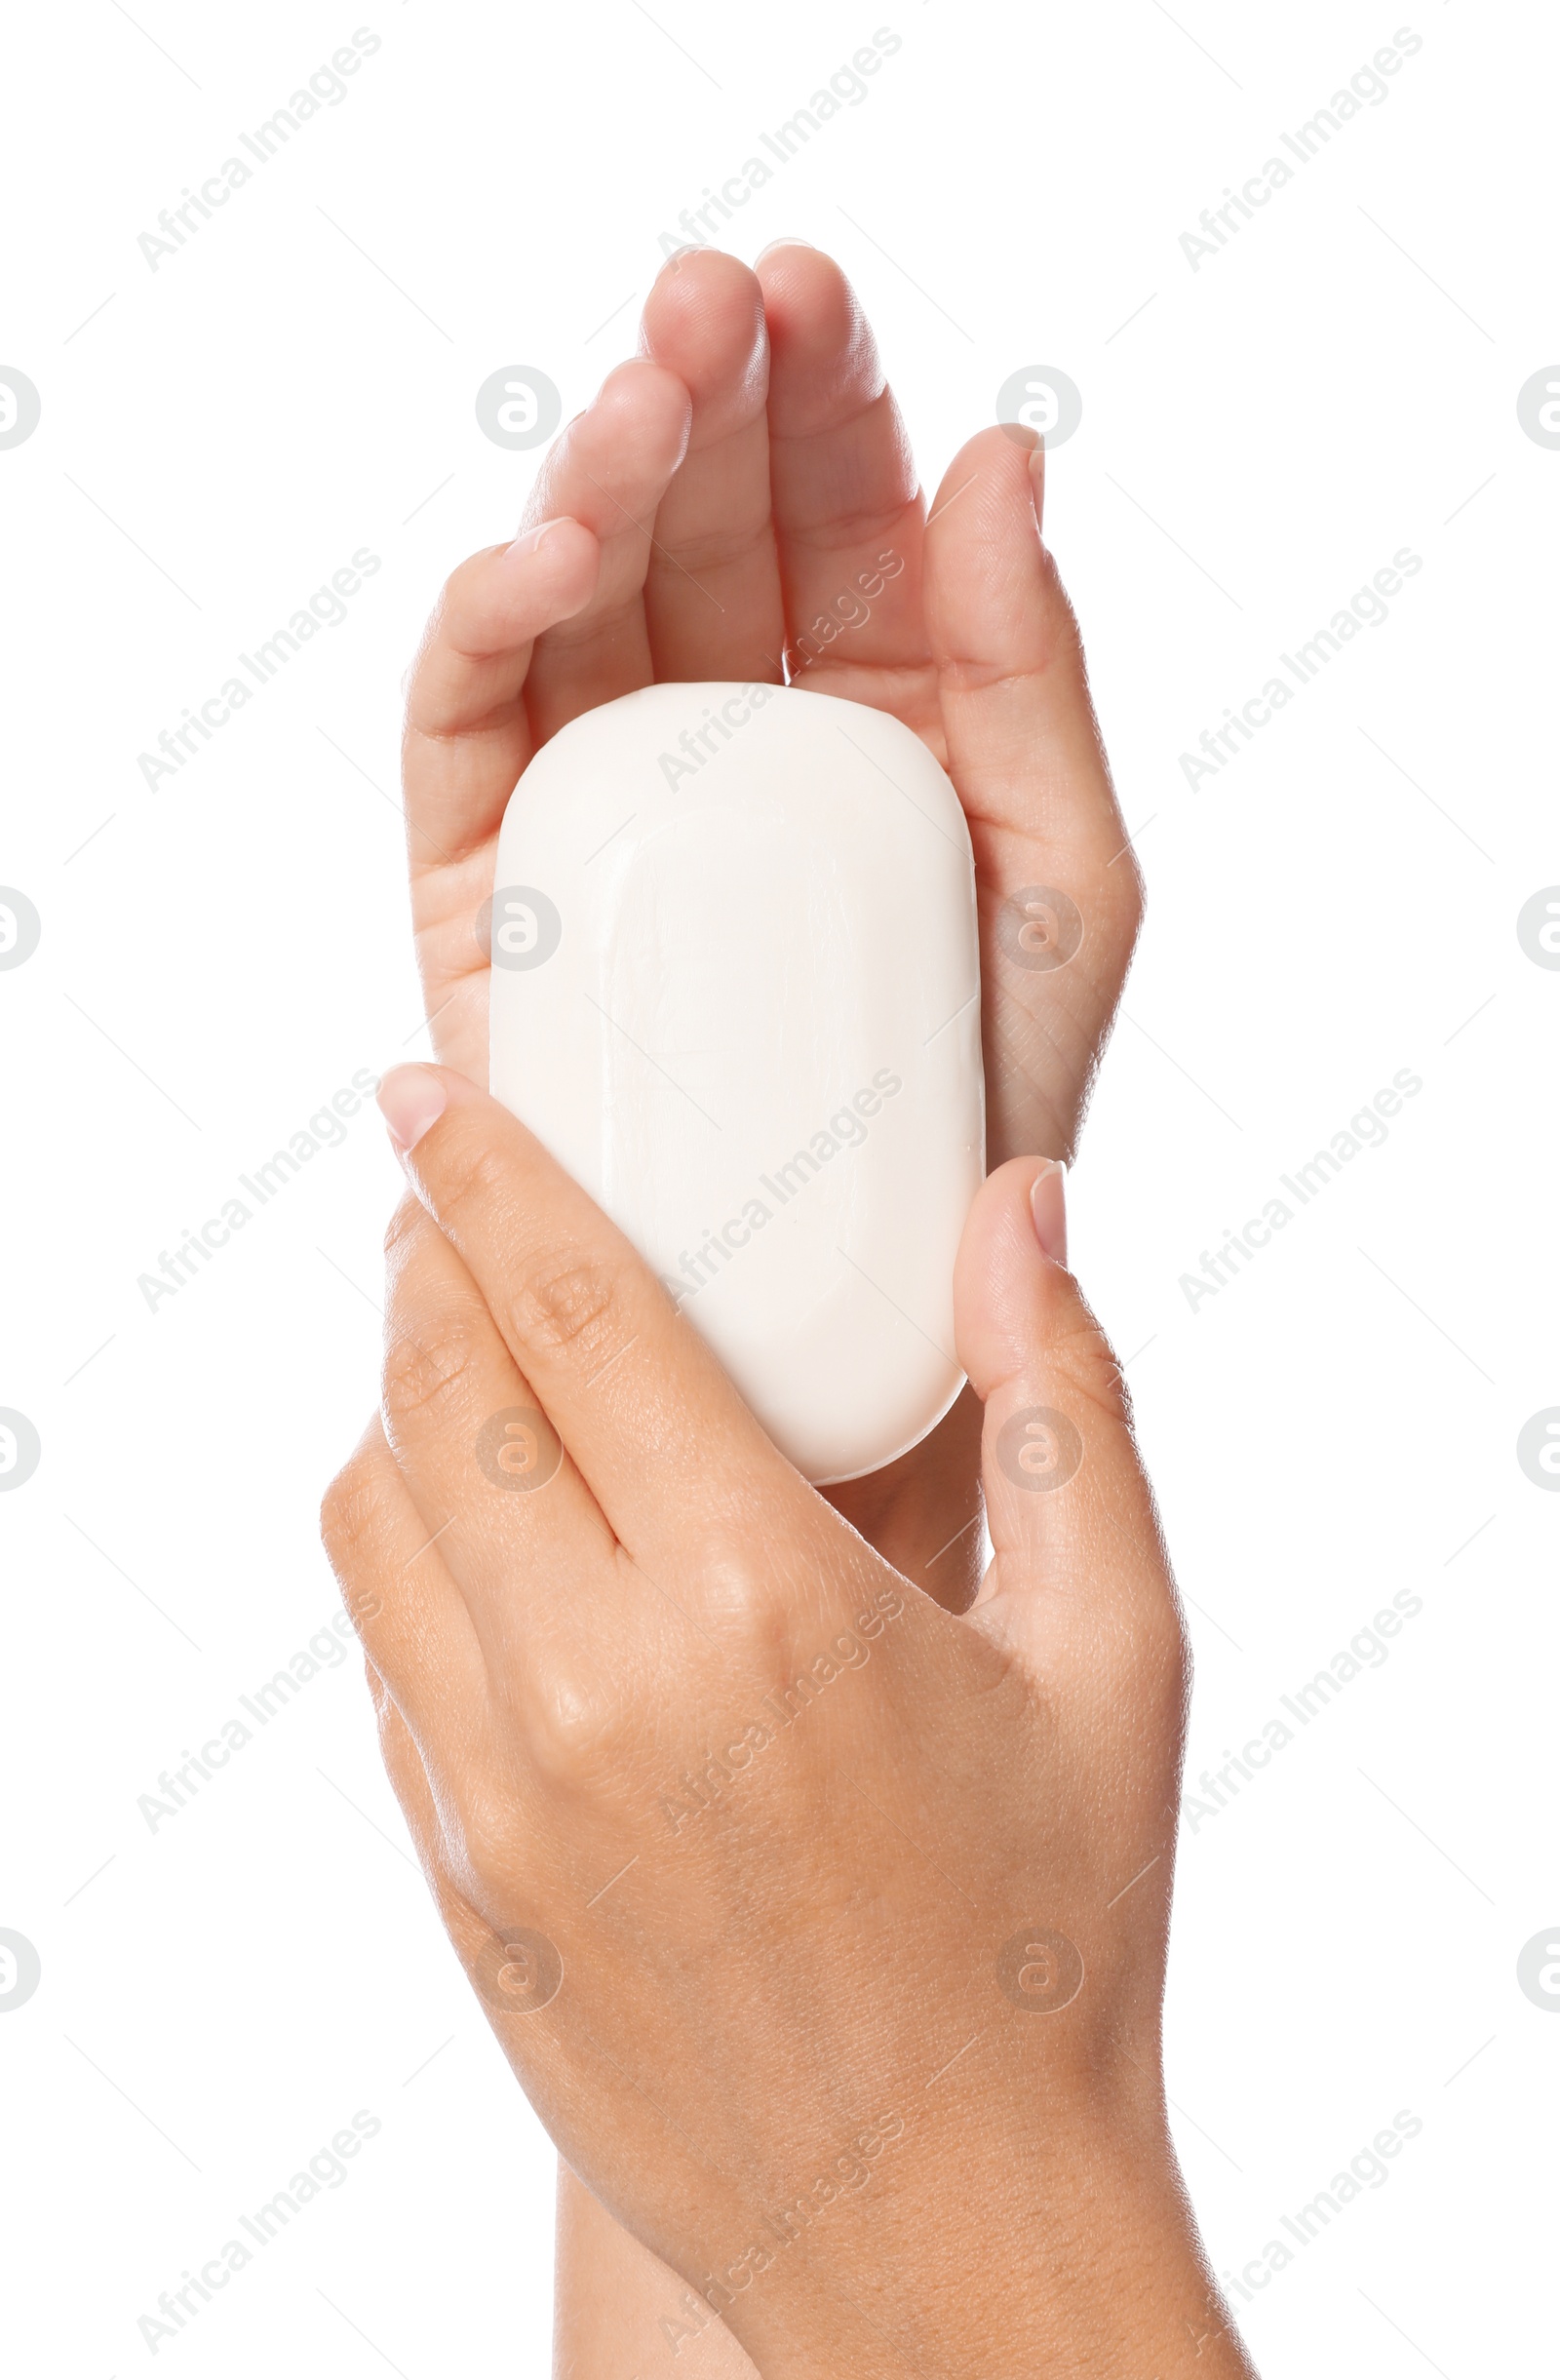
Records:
x=736, y=992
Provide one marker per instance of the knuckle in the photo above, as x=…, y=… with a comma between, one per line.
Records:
x=428, y=1372
x=576, y=1726
x=1131, y=897
x=486, y=1840
x=1086, y=1361
x=570, y=1305
x=350, y=1519
x=476, y=1180
x=738, y=1590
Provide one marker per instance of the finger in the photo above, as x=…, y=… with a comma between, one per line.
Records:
x=1024, y=750
x=514, y=1523
x=660, y=1436
x=408, y=1776
x=467, y=739
x=847, y=507
x=712, y=593
x=609, y=469
x=1076, y=1550
x=440, y=1848
x=407, y=1609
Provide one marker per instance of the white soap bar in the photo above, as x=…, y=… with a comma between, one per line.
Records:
x=736, y=993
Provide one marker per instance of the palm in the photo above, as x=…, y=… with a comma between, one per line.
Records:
x=736, y=488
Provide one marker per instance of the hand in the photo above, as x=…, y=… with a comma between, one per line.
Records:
x=826, y=1930
x=720, y=503
x=717, y=507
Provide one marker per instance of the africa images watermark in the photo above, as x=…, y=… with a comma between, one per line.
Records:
x=1367, y=2169
x=326, y=1128
x=176, y=1788
x=1367, y=608
x=326, y=2170
x=327, y=87
x=1365, y=1129
x=327, y=607
x=845, y=1129
x=849, y=2172
x=1367, y=86
x=1367, y=1649
x=851, y=608
x=781, y=1707
x=847, y=87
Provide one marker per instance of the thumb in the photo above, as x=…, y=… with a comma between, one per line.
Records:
x=1074, y=1534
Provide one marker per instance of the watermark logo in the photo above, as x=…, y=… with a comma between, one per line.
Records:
x=21, y=406
x=1537, y=1448
x=1040, y=1448
x=518, y=1971
x=1537, y=921
x=1040, y=1971
x=1040, y=928
x=1539, y=1970
x=20, y=1969
x=519, y=1449
x=1040, y=398
x=20, y=1449
x=518, y=927
x=1538, y=407
x=21, y=926
x=518, y=406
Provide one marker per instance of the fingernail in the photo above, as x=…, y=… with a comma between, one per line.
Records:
x=410, y=1099
x=1037, y=483
x=787, y=239
x=531, y=538
x=1048, y=1206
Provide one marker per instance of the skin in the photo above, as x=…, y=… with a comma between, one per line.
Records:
x=708, y=515
x=795, y=1991
x=723, y=492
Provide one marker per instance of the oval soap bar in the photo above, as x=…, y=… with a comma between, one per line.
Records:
x=736, y=993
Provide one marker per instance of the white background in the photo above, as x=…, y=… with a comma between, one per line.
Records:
x=219, y=955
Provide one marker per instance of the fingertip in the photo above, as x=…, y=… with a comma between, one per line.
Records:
x=410, y=1099
x=787, y=239
x=554, y=534
x=1037, y=483
x=560, y=554
x=1048, y=1210
x=635, y=429
x=1011, y=1243
x=704, y=321
x=989, y=485
x=826, y=365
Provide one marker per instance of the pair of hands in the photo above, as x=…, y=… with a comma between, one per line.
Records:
x=824, y=1928
x=713, y=511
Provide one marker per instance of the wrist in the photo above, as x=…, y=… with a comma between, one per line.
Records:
x=1090, y=2265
